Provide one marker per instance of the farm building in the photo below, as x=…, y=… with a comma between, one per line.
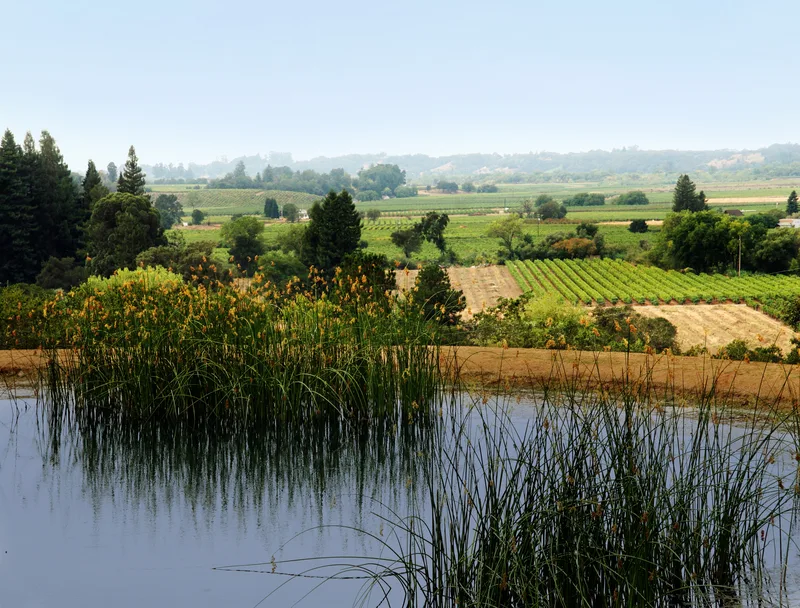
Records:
x=789, y=223
x=734, y=212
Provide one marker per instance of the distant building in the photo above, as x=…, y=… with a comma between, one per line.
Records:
x=734, y=212
x=303, y=214
x=789, y=223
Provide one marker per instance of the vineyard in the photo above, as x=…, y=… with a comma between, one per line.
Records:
x=224, y=202
x=613, y=281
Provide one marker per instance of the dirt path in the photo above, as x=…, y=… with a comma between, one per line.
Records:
x=483, y=286
x=715, y=325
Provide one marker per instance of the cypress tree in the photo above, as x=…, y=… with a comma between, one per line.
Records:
x=18, y=262
x=271, y=208
x=334, y=231
x=59, y=204
x=791, y=204
x=90, y=181
x=131, y=180
x=685, y=197
x=111, y=170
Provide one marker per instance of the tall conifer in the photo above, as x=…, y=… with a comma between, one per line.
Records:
x=791, y=204
x=18, y=263
x=131, y=180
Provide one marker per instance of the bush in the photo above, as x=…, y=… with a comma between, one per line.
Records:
x=638, y=226
x=435, y=298
x=21, y=318
x=61, y=273
x=405, y=191
x=367, y=195
x=586, y=199
x=635, y=197
x=487, y=188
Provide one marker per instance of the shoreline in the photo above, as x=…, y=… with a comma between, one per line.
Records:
x=663, y=376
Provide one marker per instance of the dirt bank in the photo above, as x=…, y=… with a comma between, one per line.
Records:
x=658, y=375
x=736, y=382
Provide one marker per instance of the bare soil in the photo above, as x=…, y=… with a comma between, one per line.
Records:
x=661, y=377
x=715, y=325
x=483, y=286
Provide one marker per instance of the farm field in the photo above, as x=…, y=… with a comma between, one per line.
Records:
x=483, y=286
x=604, y=280
x=466, y=235
x=228, y=202
x=715, y=325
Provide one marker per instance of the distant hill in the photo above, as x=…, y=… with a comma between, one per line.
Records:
x=626, y=160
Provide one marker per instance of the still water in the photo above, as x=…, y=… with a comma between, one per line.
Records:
x=113, y=518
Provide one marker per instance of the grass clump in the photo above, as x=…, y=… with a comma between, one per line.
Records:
x=599, y=502
x=145, y=345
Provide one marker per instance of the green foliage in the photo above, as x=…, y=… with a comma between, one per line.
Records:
x=292, y=240
x=61, y=273
x=17, y=212
x=700, y=240
x=543, y=199
x=283, y=178
x=738, y=350
x=243, y=238
x=435, y=298
x=381, y=177
x=278, y=267
x=271, y=209
x=93, y=188
x=487, y=188
x=21, y=318
x=432, y=228
x=635, y=197
x=169, y=210
x=551, y=210
x=447, y=187
x=638, y=226
x=405, y=191
x=373, y=215
x=193, y=261
x=586, y=199
x=111, y=172
x=468, y=187
x=586, y=230
x=131, y=180
x=507, y=229
x=364, y=196
x=122, y=226
x=527, y=208
x=685, y=198
x=291, y=212
x=409, y=240
x=791, y=204
x=197, y=217
x=334, y=232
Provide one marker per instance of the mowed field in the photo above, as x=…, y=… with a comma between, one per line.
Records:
x=483, y=286
x=715, y=325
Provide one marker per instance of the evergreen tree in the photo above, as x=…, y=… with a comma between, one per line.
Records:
x=90, y=181
x=18, y=262
x=791, y=204
x=334, y=231
x=131, y=180
x=60, y=212
x=111, y=169
x=271, y=209
x=121, y=227
x=685, y=198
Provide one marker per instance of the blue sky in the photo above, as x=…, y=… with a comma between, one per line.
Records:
x=192, y=81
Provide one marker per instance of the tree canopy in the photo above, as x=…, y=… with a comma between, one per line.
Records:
x=507, y=229
x=169, y=210
x=791, y=204
x=121, y=226
x=334, y=231
x=271, y=209
x=131, y=180
x=634, y=197
x=685, y=198
x=380, y=177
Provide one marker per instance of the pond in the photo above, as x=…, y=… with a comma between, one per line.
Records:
x=132, y=519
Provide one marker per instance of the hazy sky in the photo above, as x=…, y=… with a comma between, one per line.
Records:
x=192, y=81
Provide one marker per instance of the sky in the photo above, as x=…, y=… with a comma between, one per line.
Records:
x=195, y=81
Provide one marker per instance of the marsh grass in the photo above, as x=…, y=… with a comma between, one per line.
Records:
x=169, y=351
x=599, y=499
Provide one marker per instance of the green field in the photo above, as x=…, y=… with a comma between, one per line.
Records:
x=466, y=235
x=604, y=280
x=228, y=202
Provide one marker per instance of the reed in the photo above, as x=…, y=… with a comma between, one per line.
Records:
x=160, y=349
x=601, y=501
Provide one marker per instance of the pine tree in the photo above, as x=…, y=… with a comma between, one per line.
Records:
x=18, y=262
x=131, y=180
x=59, y=204
x=111, y=170
x=685, y=197
x=791, y=204
x=334, y=231
x=90, y=181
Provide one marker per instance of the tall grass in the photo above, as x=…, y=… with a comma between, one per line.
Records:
x=145, y=348
x=601, y=501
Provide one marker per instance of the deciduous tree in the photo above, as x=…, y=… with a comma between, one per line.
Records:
x=169, y=210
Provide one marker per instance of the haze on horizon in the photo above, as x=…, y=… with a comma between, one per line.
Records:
x=195, y=81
